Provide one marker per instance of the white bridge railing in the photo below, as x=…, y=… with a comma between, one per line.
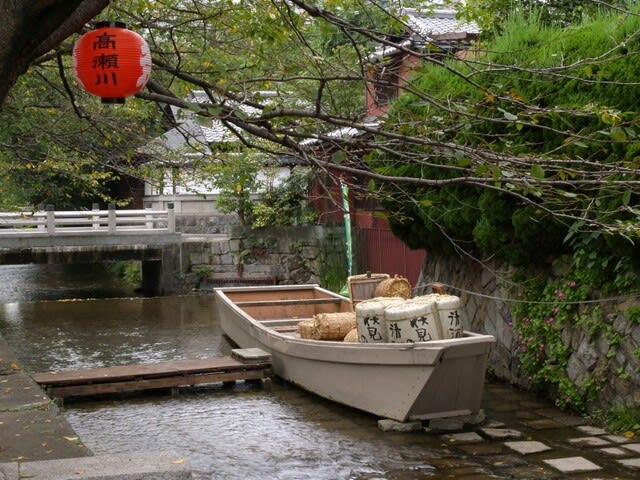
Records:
x=110, y=221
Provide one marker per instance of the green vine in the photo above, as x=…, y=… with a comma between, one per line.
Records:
x=540, y=346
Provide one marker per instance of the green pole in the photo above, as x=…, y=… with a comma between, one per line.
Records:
x=347, y=227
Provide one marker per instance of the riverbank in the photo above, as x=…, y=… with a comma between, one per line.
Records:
x=37, y=442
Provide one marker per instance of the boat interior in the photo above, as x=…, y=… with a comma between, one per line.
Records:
x=282, y=310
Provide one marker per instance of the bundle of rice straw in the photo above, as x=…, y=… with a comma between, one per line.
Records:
x=307, y=329
x=334, y=326
x=352, y=336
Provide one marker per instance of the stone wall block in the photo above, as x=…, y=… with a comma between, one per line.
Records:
x=216, y=247
x=310, y=252
x=635, y=334
x=235, y=245
x=257, y=270
x=620, y=323
x=620, y=357
x=197, y=258
x=227, y=259
x=568, y=338
x=602, y=344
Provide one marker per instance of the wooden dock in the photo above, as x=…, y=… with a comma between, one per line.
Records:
x=244, y=364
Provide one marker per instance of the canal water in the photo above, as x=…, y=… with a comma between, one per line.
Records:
x=58, y=318
x=54, y=318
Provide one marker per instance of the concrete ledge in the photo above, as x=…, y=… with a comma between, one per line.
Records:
x=139, y=466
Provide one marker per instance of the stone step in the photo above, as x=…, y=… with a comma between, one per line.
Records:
x=139, y=466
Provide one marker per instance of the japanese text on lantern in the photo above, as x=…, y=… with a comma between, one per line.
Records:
x=105, y=61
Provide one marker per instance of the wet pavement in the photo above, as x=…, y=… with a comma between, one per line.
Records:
x=523, y=437
x=31, y=425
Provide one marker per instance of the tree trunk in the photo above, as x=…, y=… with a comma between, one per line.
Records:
x=30, y=29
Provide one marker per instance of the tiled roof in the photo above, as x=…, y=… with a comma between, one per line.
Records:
x=439, y=22
x=435, y=24
x=191, y=135
x=340, y=133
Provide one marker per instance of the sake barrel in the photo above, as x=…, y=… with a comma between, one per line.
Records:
x=411, y=322
x=370, y=318
x=450, y=313
x=428, y=298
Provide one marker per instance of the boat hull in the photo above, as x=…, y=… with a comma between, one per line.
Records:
x=403, y=382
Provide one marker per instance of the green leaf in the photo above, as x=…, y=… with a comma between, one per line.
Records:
x=537, y=171
x=618, y=134
x=338, y=157
x=464, y=162
x=508, y=116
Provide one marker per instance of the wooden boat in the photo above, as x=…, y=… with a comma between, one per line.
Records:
x=400, y=381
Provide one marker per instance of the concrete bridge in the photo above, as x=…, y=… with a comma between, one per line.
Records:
x=93, y=236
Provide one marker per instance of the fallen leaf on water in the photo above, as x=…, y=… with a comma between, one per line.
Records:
x=179, y=461
x=71, y=439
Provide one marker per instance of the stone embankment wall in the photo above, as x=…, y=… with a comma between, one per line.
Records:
x=287, y=255
x=488, y=308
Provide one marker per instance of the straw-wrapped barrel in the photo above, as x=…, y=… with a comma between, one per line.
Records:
x=352, y=336
x=327, y=326
x=334, y=326
x=394, y=287
x=370, y=317
x=307, y=329
x=412, y=322
x=450, y=312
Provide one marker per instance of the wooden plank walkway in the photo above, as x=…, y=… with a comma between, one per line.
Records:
x=151, y=376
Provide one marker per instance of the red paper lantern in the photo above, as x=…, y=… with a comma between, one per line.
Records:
x=112, y=62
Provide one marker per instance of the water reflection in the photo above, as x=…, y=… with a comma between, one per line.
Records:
x=101, y=332
x=23, y=283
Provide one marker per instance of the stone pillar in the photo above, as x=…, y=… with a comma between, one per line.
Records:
x=112, y=218
x=172, y=272
x=171, y=215
x=51, y=220
x=151, y=278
